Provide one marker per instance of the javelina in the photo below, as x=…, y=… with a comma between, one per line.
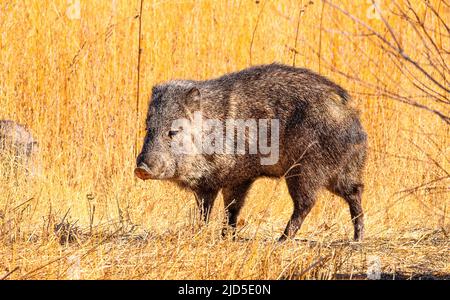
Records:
x=17, y=142
x=319, y=140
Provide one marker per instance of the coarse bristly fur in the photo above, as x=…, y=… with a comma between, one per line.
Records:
x=322, y=143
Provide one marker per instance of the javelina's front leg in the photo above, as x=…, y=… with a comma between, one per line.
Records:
x=234, y=198
x=205, y=199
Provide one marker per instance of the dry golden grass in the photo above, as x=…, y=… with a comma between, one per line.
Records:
x=73, y=82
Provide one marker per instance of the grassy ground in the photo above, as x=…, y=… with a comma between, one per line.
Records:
x=73, y=81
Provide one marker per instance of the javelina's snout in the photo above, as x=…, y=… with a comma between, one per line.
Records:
x=142, y=171
x=149, y=168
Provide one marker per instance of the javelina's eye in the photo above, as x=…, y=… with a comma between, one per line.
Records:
x=173, y=133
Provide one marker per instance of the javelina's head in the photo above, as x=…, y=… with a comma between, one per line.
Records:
x=169, y=115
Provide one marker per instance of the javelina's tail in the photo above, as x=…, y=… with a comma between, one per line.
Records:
x=339, y=91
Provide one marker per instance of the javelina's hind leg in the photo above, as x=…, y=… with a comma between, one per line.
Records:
x=205, y=199
x=234, y=199
x=352, y=192
x=356, y=212
x=304, y=196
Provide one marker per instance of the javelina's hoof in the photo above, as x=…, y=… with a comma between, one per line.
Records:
x=359, y=233
x=359, y=237
x=226, y=231
x=282, y=238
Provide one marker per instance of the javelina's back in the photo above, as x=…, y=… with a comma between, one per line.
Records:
x=317, y=124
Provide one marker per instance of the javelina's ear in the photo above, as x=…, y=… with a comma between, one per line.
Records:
x=157, y=91
x=193, y=99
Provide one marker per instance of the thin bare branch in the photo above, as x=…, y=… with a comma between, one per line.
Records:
x=138, y=83
x=254, y=31
x=397, y=49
